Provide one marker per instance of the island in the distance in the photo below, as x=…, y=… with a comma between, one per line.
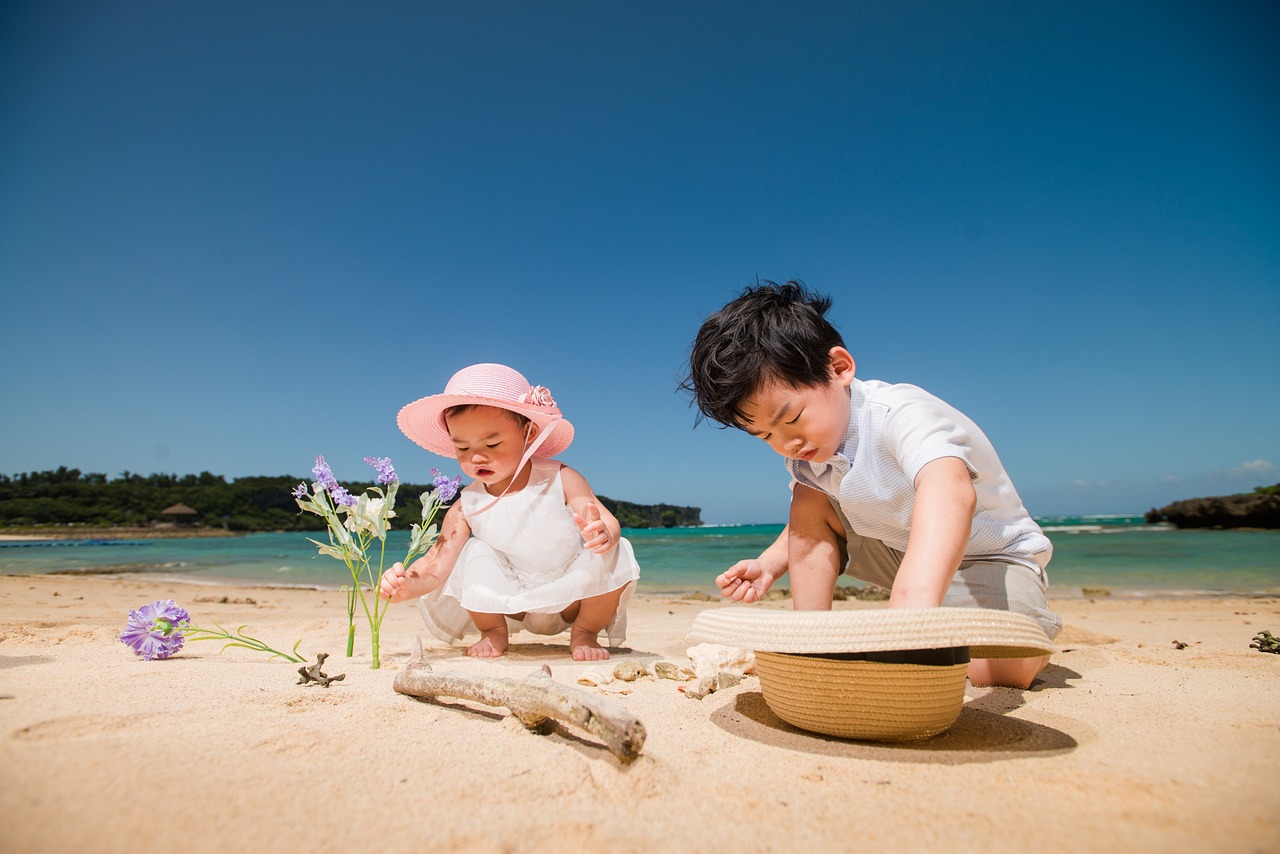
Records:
x=208, y=504
x=1257, y=509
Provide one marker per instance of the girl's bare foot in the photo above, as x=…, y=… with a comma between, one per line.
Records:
x=492, y=644
x=584, y=646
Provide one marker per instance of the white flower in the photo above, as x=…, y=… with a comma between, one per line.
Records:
x=369, y=514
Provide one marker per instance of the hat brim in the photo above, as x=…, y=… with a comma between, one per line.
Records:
x=987, y=632
x=423, y=422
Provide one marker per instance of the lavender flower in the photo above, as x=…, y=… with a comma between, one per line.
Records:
x=446, y=487
x=324, y=477
x=154, y=631
x=326, y=481
x=300, y=491
x=386, y=474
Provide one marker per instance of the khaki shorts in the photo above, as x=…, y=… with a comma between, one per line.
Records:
x=1002, y=585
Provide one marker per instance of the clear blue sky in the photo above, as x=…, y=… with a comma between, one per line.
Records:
x=234, y=235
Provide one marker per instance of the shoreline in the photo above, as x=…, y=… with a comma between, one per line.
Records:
x=683, y=592
x=1101, y=753
x=39, y=533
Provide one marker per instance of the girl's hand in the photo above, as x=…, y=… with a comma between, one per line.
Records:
x=595, y=535
x=393, y=582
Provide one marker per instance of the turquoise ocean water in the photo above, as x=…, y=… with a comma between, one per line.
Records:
x=1119, y=553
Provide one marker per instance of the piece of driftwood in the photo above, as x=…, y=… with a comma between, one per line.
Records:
x=535, y=701
x=313, y=673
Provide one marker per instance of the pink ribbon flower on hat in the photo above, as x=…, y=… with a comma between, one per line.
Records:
x=538, y=396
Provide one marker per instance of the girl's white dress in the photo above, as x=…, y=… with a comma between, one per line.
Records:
x=526, y=555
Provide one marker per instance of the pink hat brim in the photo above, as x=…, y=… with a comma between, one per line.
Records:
x=423, y=422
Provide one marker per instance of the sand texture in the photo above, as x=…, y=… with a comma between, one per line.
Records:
x=1128, y=743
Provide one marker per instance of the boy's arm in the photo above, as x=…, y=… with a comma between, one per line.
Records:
x=748, y=580
x=941, y=521
x=600, y=530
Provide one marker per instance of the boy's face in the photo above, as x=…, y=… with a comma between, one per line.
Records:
x=807, y=423
x=488, y=444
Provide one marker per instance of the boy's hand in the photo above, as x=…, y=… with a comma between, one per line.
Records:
x=393, y=582
x=595, y=535
x=746, y=581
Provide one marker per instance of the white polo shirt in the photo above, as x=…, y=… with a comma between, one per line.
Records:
x=894, y=431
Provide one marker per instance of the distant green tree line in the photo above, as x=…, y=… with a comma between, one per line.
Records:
x=70, y=497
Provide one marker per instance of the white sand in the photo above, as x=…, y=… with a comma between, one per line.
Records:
x=1127, y=743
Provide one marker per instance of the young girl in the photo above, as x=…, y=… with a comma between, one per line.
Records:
x=527, y=545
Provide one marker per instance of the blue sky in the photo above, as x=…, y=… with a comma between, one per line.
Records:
x=234, y=235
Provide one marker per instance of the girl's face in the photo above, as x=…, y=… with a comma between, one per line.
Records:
x=488, y=443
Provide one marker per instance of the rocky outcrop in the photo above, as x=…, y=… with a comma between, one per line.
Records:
x=1257, y=509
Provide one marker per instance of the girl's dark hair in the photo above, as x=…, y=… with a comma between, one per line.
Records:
x=770, y=332
x=463, y=407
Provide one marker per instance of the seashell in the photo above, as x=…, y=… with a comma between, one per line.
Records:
x=595, y=677
x=629, y=671
x=711, y=659
x=668, y=670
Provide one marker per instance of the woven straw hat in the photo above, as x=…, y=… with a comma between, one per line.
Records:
x=893, y=674
x=486, y=384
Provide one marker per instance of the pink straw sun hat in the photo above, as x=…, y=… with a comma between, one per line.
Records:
x=486, y=384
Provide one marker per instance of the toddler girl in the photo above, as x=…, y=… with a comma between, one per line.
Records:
x=527, y=545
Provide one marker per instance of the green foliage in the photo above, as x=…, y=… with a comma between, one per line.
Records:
x=652, y=515
x=69, y=497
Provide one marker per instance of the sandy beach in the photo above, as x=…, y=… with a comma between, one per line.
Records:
x=1127, y=743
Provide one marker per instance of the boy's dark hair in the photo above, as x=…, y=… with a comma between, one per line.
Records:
x=770, y=332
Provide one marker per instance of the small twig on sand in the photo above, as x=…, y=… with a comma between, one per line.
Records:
x=313, y=673
x=535, y=701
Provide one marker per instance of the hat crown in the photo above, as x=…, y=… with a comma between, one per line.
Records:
x=498, y=383
x=486, y=384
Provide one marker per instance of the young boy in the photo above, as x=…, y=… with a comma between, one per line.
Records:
x=889, y=484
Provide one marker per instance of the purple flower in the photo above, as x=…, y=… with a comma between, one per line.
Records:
x=154, y=631
x=446, y=487
x=300, y=491
x=386, y=474
x=324, y=477
x=327, y=482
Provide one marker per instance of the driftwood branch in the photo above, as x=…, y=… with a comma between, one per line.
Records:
x=313, y=673
x=535, y=701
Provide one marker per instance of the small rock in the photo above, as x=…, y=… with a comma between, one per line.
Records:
x=668, y=670
x=699, y=688
x=629, y=671
x=725, y=679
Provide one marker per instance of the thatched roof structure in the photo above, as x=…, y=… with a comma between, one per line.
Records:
x=179, y=509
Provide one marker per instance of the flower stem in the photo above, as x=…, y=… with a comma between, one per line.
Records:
x=240, y=639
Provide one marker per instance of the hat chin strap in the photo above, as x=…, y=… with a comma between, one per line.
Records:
x=543, y=434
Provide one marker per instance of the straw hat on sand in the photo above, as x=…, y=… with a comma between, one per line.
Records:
x=895, y=674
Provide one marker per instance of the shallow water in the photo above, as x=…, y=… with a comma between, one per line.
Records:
x=1117, y=553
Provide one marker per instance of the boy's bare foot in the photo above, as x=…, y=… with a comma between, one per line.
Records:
x=584, y=646
x=492, y=644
